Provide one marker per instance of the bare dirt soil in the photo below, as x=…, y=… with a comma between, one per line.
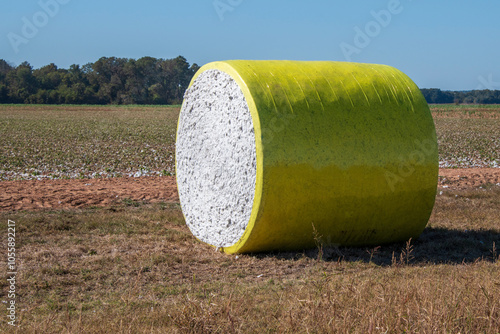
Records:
x=466, y=178
x=67, y=194
x=73, y=193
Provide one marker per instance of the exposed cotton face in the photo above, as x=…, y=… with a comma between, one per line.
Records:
x=216, y=159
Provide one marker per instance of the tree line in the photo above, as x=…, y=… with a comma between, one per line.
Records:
x=484, y=96
x=109, y=80
x=147, y=80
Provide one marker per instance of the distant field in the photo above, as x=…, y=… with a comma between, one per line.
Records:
x=86, y=141
x=109, y=141
x=468, y=135
x=464, y=107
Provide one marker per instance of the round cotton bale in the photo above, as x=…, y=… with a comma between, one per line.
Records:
x=281, y=155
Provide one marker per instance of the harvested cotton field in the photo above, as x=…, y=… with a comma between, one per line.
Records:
x=110, y=254
x=140, y=140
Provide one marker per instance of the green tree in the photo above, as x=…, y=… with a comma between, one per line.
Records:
x=5, y=68
x=114, y=80
x=21, y=83
x=49, y=77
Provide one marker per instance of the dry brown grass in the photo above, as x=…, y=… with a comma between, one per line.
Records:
x=135, y=268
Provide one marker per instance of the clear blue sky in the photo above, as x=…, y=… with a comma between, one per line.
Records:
x=447, y=44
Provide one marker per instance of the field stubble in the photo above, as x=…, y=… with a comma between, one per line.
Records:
x=86, y=141
x=55, y=142
x=468, y=135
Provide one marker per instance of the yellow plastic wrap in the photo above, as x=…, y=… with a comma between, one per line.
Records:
x=346, y=154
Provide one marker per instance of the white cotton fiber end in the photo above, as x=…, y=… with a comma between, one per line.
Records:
x=216, y=159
